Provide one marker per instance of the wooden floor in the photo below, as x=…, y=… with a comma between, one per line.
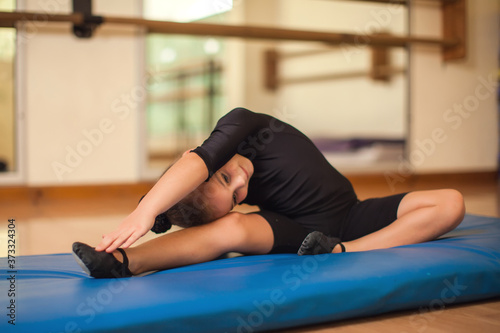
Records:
x=49, y=220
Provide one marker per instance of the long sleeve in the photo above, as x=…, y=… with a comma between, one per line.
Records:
x=232, y=135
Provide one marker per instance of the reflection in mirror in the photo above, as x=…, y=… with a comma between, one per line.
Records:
x=184, y=80
x=350, y=99
x=7, y=113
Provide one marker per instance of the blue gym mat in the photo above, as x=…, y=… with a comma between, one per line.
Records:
x=255, y=293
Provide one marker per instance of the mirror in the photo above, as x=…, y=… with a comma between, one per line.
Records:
x=350, y=99
x=7, y=107
x=185, y=78
x=185, y=99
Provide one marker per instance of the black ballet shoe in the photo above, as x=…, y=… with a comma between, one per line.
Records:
x=318, y=243
x=100, y=264
x=162, y=223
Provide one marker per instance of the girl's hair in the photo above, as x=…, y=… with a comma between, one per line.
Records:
x=191, y=211
x=194, y=209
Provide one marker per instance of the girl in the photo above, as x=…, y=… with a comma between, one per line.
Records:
x=305, y=204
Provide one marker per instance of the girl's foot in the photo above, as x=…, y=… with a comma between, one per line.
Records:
x=318, y=243
x=100, y=264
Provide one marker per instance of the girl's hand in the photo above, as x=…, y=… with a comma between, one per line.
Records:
x=130, y=230
x=180, y=180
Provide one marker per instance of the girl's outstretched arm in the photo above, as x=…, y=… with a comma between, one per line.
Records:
x=181, y=179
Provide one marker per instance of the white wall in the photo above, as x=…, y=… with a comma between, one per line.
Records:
x=82, y=98
x=454, y=115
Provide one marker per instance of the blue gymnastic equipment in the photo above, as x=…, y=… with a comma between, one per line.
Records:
x=257, y=293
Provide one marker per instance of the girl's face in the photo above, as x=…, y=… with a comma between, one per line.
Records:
x=229, y=185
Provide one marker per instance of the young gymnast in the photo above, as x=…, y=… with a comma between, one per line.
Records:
x=306, y=205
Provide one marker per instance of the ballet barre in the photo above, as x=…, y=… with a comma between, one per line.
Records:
x=84, y=22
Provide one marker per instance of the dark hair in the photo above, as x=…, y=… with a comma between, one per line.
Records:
x=191, y=211
x=194, y=209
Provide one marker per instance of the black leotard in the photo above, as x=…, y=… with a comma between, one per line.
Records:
x=296, y=188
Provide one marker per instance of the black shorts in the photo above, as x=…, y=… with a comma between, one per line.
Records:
x=370, y=215
x=363, y=218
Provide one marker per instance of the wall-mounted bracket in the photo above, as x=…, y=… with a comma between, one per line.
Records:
x=271, y=64
x=455, y=28
x=90, y=22
x=381, y=62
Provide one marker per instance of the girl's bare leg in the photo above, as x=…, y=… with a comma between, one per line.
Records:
x=422, y=216
x=250, y=234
